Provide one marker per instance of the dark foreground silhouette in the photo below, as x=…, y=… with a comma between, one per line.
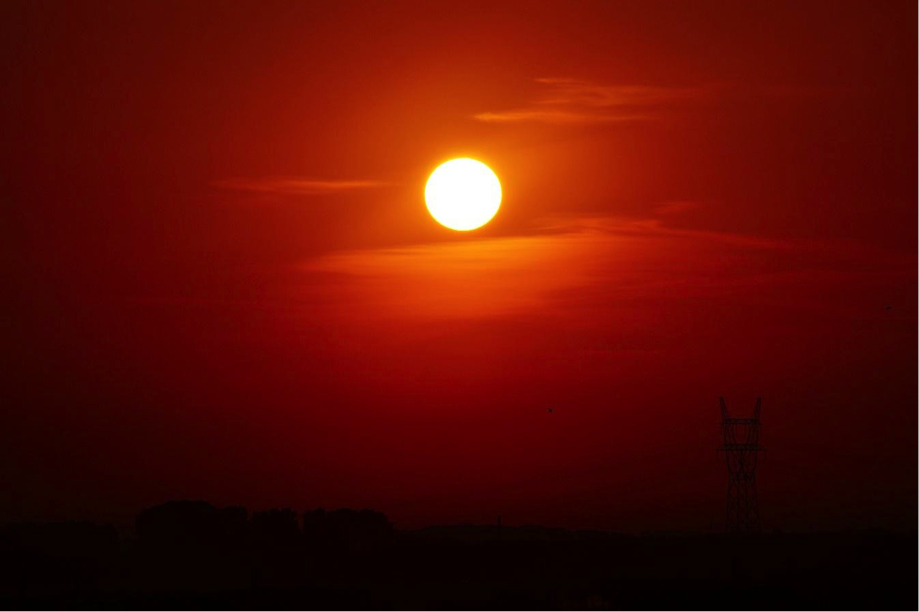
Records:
x=193, y=555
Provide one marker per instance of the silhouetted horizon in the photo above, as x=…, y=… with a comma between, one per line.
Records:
x=190, y=553
x=129, y=525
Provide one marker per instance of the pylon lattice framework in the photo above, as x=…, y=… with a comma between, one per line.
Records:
x=741, y=449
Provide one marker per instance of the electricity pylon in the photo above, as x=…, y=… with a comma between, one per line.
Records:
x=741, y=449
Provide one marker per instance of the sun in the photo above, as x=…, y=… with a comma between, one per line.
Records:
x=463, y=194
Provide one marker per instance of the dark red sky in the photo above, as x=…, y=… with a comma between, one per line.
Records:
x=223, y=282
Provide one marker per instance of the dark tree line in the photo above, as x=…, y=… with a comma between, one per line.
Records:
x=186, y=547
x=191, y=554
x=200, y=525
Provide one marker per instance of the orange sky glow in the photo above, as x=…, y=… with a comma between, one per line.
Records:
x=227, y=285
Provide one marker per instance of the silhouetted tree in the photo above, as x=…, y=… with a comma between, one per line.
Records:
x=192, y=524
x=276, y=527
x=346, y=529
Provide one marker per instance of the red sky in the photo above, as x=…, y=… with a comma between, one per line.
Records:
x=223, y=282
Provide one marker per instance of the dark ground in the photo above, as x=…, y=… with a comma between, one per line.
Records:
x=192, y=555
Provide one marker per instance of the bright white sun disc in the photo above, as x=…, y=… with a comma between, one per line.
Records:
x=463, y=194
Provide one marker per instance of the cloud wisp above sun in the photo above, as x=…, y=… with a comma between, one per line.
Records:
x=575, y=101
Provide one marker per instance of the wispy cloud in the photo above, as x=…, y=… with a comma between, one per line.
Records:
x=573, y=101
x=544, y=271
x=675, y=207
x=298, y=186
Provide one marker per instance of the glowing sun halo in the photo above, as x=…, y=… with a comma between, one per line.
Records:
x=463, y=194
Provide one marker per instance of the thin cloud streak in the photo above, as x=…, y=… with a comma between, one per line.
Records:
x=298, y=186
x=573, y=101
x=536, y=115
